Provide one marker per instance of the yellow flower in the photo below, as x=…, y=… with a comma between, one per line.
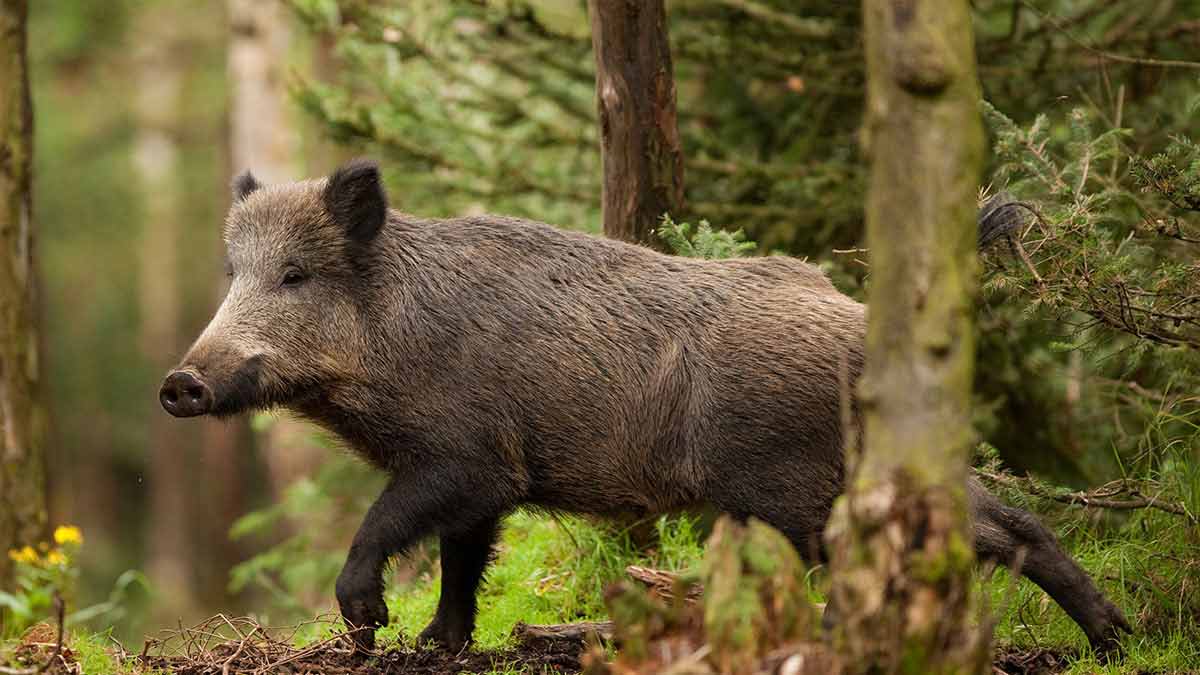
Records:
x=56, y=557
x=25, y=555
x=67, y=534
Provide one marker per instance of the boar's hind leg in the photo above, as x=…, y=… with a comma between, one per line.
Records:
x=1008, y=535
x=465, y=555
x=409, y=508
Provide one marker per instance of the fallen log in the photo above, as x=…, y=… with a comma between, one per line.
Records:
x=576, y=632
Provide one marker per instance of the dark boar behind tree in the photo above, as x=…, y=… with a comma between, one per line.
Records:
x=487, y=362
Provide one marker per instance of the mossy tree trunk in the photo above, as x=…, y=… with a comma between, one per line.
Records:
x=639, y=137
x=900, y=540
x=22, y=457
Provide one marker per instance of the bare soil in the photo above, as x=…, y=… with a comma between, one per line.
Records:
x=344, y=661
x=227, y=646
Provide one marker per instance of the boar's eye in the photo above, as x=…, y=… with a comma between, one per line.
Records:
x=293, y=276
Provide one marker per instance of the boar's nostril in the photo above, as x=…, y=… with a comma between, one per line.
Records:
x=183, y=394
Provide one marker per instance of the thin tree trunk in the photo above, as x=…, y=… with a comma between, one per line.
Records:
x=262, y=134
x=22, y=455
x=264, y=139
x=639, y=138
x=900, y=539
x=159, y=84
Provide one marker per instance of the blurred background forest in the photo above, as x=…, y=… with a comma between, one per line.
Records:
x=1089, y=338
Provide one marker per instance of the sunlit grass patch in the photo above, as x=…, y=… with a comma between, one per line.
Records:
x=547, y=570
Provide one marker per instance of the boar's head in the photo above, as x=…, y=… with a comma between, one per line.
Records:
x=291, y=323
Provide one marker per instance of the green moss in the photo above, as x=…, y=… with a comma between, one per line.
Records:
x=933, y=569
x=756, y=594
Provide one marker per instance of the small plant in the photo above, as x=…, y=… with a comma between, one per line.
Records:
x=50, y=569
x=703, y=241
x=42, y=571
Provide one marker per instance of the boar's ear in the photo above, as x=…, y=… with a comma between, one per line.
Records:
x=354, y=197
x=243, y=185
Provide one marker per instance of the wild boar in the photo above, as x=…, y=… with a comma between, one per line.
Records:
x=487, y=362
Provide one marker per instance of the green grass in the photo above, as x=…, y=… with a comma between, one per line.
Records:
x=555, y=570
x=1149, y=567
x=549, y=570
x=93, y=651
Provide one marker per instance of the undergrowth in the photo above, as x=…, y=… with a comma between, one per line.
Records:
x=548, y=570
x=555, y=571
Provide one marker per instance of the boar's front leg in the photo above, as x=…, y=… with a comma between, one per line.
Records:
x=409, y=508
x=465, y=554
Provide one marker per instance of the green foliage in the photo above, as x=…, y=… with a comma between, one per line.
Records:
x=1174, y=174
x=1090, y=311
x=491, y=105
x=1093, y=268
x=94, y=654
x=755, y=595
x=704, y=242
x=91, y=653
x=319, y=514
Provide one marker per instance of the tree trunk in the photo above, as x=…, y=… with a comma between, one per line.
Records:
x=22, y=458
x=263, y=139
x=261, y=132
x=639, y=139
x=900, y=540
x=159, y=78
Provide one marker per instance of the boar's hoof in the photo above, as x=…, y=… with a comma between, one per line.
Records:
x=1106, y=637
x=453, y=639
x=363, y=609
x=364, y=639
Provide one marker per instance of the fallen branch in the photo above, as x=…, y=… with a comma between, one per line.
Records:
x=1101, y=497
x=663, y=583
x=575, y=632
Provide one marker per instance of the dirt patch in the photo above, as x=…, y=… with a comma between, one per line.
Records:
x=342, y=661
x=1011, y=661
x=227, y=646
x=222, y=646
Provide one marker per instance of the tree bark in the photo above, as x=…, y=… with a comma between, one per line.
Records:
x=22, y=455
x=900, y=540
x=639, y=138
x=262, y=136
x=157, y=157
x=263, y=139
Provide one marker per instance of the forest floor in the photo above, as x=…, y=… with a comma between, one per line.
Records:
x=558, y=571
x=204, y=650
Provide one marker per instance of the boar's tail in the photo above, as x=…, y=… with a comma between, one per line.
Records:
x=999, y=217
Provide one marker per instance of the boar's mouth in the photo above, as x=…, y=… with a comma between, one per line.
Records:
x=252, y=386
x=195, y=389
x=241, y=390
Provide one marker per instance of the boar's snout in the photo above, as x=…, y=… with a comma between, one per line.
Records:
x=183, y=394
